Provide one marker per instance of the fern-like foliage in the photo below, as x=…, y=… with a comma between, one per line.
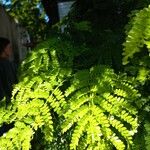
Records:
x=28, y=118
x=138, y=34
x=89, y=109
x=100, y=112
x=34, y=98
x=137, y=56
x=137, y=51
x=137, y=44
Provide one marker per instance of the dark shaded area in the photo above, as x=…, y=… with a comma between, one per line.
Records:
x=8, y=78
x=106, y=20
x=51, y=10
x=5, y=128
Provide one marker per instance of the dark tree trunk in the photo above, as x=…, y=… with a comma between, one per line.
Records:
x=51, y=9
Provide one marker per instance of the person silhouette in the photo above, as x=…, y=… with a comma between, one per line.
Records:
x=8, y=75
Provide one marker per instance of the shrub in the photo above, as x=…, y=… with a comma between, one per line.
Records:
x=87, y=109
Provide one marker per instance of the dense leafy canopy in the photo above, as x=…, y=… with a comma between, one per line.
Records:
x=67, y=95
x=35, y=15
